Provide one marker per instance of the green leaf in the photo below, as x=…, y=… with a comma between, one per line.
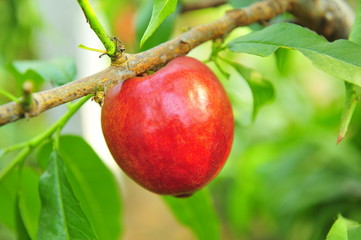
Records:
x=21, y=230
x=43, y=154
x=262, y=89
x=198, y=213
x=94, y=185
x=163, y=32
x=352, y=96
x=57, y=71
x=8, y=190
x=344, y=229
x=352, y=91
x=29, y=201
x=340, y=58
x=265, y=42
x=161, y=10
x=61, y=216
x=284, y=61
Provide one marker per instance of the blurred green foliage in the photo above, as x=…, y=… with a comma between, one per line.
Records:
x=286, y=178
x=19, y=20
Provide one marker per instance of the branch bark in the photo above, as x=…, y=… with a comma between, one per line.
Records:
x=160, y=55
x=333, y=19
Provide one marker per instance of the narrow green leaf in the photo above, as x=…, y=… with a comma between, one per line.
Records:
x=352, y=91
x=262, y=89
x=21, y=230
x=43, y=154
x=29, y=200
x=94, y=185
x=61, y=216
x=344, y=229
x=163, y=32
x=340, y=58
x=198, y=213
x=284, y=61
x=8, y=191
x=57, y=71
x=161, y=10
x=352, y=95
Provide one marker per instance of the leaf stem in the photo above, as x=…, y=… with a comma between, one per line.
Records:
x=92, y=49
x=21, y=156
x=352, y=96
x=9, y=95
x=94, y=23
x=29, y=145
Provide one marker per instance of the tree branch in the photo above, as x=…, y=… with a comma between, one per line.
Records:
x=331, y=18
x=160, y=55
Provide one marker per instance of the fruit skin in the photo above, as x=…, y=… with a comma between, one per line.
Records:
x=172, y=131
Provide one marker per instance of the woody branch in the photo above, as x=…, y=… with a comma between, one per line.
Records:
x=334, y=13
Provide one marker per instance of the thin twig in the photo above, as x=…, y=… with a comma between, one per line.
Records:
x=94, y=23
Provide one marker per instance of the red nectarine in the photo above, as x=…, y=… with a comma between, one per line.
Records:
x=172, y=131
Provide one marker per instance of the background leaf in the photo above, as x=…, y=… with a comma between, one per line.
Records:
x=43, y=154
x=61, y=216
x=29, y=200
x=352, y=96
x=57, y=71
x=161, y=10
x=21, y=230
x=352, y=91
x=340, y=58
x=198, y=213
x=344, y=229
x=262, y=89
x=8, y=190
x=94, y=185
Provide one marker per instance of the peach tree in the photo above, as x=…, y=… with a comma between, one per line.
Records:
x=291, y=69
